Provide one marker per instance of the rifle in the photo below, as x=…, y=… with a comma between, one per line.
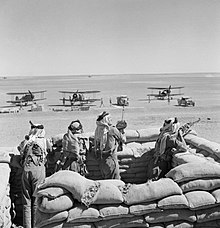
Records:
x=185, y=128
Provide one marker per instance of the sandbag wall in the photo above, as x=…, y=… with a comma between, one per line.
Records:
x=189, y=196
x=16, y=189
x=203, y=146
x=133, y=162
x=5, y=201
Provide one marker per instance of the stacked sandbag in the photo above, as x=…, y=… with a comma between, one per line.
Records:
x=203, y=146
x=191, y=156
x=67, y=199
x=200, y=183
x=133, y=162
x=16, y=189
x=5, y=201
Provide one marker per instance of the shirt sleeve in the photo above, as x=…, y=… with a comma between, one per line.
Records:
x=174, y=142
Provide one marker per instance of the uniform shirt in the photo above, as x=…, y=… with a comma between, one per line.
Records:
x=71, y=144
x=172, y=142
x=113, y=136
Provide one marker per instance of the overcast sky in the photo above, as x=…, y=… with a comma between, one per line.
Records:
x=66, y=37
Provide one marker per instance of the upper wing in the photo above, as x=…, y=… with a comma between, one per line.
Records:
x=161, y=88
x=23, y=93
x=77, y=91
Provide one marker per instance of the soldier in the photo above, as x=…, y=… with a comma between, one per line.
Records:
x=75, y=147
x=106, y=142
x=170, y=141
x=33, y=152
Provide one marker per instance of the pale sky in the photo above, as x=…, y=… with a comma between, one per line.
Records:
x=71, y=37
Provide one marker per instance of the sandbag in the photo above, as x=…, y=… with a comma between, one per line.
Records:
x=170, y=216
x=150, y=191
x=104, y=192
x=144, y=208
x=78, y=225
x=113, y=211
x=200, y=184
x=4, y=177
x=209, y=224
x=180, y=224
x=216, y=194
x=192, y=171
x=173, y=202
x=51, y=192
x=211, y=147
x=43, y=219
x=210, y=214
x=115, y=182
x=200, y=199
x=80, y=213
x=54, y=225
x=61, y=203
x=71, y=181
x=188, y=157
x=137, y=221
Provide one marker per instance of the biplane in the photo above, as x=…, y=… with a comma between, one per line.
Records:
x=164, y=93
x=26, y=98
x=79, y=100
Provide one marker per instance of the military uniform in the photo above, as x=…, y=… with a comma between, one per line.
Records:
x=33, y=161
x=75, y=146
x=107, y=140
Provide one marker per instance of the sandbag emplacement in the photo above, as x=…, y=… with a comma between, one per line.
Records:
x=192, y=171
x=5, y=201
x=187, y=197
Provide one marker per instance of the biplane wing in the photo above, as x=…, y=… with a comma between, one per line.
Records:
x=171, y=94
x=73, y=105
x=169, y=87
x=82, y=101
x=23, y=93
x=83, y=92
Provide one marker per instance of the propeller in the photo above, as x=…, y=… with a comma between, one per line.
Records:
x=32, y=95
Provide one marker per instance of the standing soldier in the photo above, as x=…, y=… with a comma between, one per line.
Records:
x=33, y=152
x=75, y=147
x=107, y=138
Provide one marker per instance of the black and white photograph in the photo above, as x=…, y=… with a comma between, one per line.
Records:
x=110, y=113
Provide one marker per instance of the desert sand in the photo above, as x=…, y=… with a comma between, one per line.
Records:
x=203, y=88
